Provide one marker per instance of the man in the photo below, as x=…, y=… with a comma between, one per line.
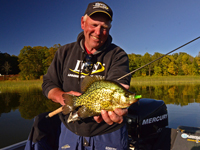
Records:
x=92, y=54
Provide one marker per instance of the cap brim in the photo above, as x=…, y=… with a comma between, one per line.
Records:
x=101, y=12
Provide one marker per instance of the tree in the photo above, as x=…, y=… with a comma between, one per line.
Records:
x=173, y=68
x=185, y=69
x=134, y=63
x=157, y=64
x=4, y=57
x=165, y=65
x=49, y=55
x=195, y=68
x=145, y=60
x=6, y=67
x=157, y=71
x=31, y=62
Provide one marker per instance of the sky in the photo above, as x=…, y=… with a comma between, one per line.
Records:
x=138, y=26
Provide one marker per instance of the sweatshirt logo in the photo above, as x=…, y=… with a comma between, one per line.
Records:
x=98, y=67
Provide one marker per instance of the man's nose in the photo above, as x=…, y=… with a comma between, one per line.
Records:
x=98, y=30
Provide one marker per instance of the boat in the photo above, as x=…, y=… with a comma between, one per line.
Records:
x=16, y=146
x=147, y=124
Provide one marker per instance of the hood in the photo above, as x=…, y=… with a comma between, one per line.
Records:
x=81, y=37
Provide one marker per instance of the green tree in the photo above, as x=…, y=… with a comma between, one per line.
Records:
x=195, y=67
x=185, y=69
x=49, y=55
x=157, y=65
x=31, y=62
x=165, y=65
x=157, y=71
x=145, y=60
x=173, y=68
x=135, y=63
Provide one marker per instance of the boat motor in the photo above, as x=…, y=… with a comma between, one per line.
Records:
x=146, y=119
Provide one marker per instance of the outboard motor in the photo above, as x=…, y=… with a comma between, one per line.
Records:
x=145, y=120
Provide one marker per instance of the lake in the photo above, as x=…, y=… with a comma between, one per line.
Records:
x=17, y=109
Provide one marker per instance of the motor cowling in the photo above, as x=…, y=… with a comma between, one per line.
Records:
x=146, y=117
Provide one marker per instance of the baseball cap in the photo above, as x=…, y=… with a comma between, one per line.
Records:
x=96, y=7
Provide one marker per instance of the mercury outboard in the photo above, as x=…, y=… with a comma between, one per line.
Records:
x=145, y=121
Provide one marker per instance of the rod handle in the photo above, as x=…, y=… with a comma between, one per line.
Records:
x=53, y=113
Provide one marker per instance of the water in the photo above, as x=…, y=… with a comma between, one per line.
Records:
x=13, y=128
x=184, y=115
x=17, y=110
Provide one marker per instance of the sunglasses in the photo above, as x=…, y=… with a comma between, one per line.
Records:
x=88, y=64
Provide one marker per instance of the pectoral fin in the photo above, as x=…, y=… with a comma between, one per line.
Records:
x=69, y=103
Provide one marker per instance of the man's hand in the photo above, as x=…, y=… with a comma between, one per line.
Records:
x=111, y=116
x=55, y=95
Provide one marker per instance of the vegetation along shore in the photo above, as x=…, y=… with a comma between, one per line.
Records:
x=135, y=81
x=33, y=62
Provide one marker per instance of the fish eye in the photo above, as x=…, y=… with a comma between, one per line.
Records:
x=126, y=95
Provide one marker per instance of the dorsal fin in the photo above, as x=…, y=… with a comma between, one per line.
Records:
x=87, y=81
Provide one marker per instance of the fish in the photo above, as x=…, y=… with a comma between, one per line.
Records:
x=98, y=94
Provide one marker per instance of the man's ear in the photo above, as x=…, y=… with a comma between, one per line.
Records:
x=82, y=23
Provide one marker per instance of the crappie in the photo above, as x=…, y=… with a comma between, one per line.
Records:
x=98, y=95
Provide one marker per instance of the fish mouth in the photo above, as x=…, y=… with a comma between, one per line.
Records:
x=134, y=98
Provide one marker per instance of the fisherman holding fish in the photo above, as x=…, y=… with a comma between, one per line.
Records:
x=94, y=55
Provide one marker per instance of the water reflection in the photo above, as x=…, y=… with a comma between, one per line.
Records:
x=29, y=103
x=19, y=108
x=171, y=94
x=33, y=102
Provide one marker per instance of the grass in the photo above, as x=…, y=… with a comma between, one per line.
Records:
x=165, y=80
x=135, y=81
x=16, y=86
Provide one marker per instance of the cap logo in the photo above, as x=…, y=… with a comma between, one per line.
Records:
x=100, y=5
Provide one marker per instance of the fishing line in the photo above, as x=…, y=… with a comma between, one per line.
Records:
x=159, y=58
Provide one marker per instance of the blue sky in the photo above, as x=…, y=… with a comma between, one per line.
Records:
x=138, y=26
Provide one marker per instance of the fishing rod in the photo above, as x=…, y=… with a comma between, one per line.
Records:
x=61, y=108
x=158, y=58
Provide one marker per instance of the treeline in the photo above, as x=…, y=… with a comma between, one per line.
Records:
x=33, y=62
x=175, y=64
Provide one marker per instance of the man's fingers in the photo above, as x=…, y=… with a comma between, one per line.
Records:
x=106, y=117
x=98, y=119
x=114, y=117
x=73, y=93
x=121, y=112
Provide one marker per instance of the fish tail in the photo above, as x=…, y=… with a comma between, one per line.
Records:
x=69, y=103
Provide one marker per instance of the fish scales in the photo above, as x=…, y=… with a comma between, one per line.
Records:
x=98, y=95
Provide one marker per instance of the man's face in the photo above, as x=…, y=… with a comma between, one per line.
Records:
x=96, y=30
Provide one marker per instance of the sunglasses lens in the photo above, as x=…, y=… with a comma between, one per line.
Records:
x=88, y=64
